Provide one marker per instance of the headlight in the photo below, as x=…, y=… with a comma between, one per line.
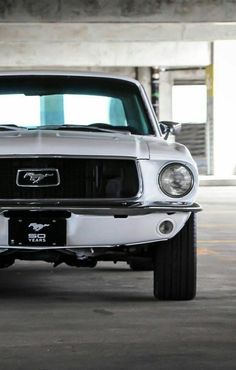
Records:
x=176, y=180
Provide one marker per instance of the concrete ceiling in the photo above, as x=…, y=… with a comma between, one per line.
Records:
x=74, y=33
x=118, y=10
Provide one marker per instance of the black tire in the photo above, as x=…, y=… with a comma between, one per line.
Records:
x=175, y=265
x=93, y=264
x=141, y=264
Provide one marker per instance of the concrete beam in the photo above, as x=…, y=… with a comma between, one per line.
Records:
x=113, y=32
x=33, y=54
x=117, y=11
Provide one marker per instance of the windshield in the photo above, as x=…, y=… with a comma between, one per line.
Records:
x=32, y=101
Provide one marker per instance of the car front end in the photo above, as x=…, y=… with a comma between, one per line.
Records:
x=92, y=178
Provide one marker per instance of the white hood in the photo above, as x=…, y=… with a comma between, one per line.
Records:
x=55, y=142
x=52, y=142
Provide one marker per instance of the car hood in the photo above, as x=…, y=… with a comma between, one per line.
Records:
x=58, y=142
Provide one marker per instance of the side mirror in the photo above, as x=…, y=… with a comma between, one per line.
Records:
x=169, y=127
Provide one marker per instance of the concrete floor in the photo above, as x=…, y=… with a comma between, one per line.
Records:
x=106, y=318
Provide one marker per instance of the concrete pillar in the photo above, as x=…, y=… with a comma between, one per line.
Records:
x=51, y=110
x=165, y=104
x=224, y=108
x=210, y=115
x=144, y=76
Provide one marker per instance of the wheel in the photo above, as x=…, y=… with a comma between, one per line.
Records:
x=6, y=262
x=93, y=264
x=141, y=264
x=175, y=265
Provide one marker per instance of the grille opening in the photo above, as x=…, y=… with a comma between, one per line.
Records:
x=80, y=178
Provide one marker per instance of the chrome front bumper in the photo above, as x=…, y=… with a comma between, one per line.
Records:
x=107, y=226
x=132, y=209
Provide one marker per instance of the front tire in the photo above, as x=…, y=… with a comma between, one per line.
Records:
x=175, y=265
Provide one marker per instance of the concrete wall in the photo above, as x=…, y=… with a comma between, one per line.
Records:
x=118, y=10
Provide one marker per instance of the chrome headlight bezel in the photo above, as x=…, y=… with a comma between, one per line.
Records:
x=160, y=175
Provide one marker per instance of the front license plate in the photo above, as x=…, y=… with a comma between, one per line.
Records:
x=37, y=232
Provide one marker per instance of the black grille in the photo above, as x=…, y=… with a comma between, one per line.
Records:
x=80, y=178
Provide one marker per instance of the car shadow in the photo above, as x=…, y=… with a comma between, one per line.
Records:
x=43, y=284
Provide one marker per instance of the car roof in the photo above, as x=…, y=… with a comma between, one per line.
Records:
x=70, y=73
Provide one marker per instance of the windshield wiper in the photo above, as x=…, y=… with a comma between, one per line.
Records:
x=71, y=127
x=97, y=127
x=128, y=129
x=12, y=127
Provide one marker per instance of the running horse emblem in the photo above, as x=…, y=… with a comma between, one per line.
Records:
x=35, y=178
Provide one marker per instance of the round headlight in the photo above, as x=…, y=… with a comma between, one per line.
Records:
x=176, y=180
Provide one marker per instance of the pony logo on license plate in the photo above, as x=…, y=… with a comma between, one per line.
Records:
x=38, y=227
x=37, y=232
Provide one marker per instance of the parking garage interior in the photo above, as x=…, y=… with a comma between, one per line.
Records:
x=184, y=54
